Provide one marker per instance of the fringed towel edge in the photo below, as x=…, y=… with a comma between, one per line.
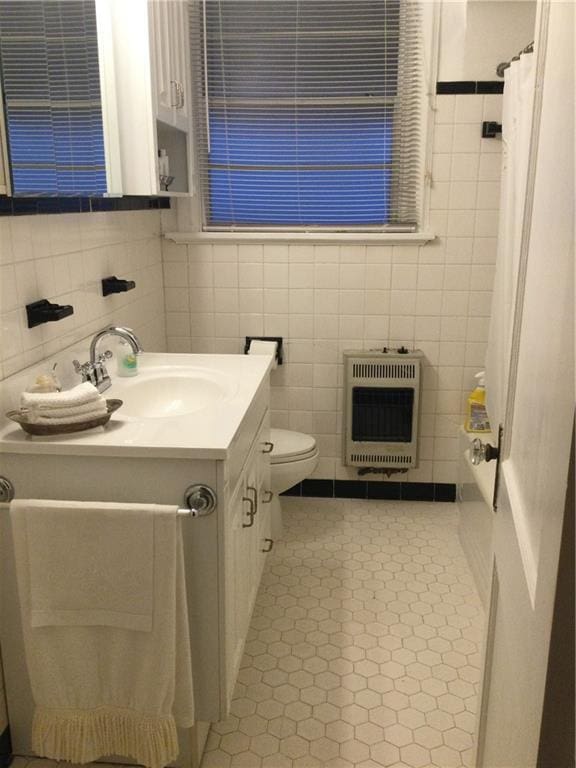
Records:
x=82, y=736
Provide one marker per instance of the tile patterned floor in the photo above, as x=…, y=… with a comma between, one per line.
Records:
x=364, y=645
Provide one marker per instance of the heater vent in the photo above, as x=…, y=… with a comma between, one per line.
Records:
x=371, y=460
x=381, y=400
x=383, y=370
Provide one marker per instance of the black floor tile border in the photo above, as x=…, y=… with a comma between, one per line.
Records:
x=5, y=748
x=29, y=206
x=364, y=489
x=469, y=86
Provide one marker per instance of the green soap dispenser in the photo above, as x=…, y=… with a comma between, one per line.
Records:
x=126, y=360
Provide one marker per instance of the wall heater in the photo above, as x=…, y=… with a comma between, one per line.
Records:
x=381, y=406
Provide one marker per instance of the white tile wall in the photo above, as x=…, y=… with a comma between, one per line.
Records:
x=325, y=298
x=63, y=258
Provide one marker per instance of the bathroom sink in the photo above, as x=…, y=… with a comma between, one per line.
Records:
x=182, y=406
x=171, y=392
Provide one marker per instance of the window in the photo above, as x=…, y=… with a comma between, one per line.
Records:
x=308, y=113
x=51, y=85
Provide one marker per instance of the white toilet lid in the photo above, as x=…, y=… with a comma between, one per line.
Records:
x=288, y=444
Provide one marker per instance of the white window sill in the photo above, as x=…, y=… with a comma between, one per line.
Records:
x=384, y=238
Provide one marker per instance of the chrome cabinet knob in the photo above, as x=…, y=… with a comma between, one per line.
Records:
x=480, y=452
x=6, y=490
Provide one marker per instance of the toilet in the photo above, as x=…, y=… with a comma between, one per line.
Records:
x=293, y=459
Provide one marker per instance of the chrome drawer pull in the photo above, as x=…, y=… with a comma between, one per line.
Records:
x=270, y=543
x=268, y=447
x=251, y=523
x=254, y=492
x=268, y=496
x=251, y=513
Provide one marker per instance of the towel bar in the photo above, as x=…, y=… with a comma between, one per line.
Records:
x=200, y=500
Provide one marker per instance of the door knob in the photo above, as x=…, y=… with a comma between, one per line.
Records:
x=480, y=452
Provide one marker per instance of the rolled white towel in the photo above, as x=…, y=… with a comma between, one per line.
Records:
x=79, y=395
x=87, y=416
x=49, y=413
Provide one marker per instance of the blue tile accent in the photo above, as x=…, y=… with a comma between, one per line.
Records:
x=456, y=86
x=490, y=86
x=320, y=488
x=350, y=489
x=469, y=86
x=444, y=492
x=27, y=206
x=417, y=491
x=385, y=491
x=364, y=489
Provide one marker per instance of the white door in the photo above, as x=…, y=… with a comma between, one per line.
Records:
x=538, y=421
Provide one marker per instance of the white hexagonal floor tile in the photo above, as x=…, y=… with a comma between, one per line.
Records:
x=364, y=647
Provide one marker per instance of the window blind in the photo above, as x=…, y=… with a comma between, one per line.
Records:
x=307, y=113
x=51, y=86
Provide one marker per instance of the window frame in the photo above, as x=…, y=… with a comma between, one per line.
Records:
x=192, y=213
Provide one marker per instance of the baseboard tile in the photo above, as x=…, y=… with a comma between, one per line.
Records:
x=364, y=489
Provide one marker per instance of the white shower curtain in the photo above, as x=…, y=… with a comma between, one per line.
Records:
x=516, y=131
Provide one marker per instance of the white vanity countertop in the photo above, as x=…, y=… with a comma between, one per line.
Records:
x=202, y=434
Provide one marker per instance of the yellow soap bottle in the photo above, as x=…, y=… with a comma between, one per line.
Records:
x=477, y=418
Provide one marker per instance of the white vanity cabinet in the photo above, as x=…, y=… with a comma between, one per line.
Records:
x=224, y=551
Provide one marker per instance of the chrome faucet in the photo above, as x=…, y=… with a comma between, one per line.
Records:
x=94, y=370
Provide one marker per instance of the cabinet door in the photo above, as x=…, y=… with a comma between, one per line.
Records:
x=180, y=64
x=264, y=495
x=169, y=42
x=238, y=578
x=161, y=31
x=252, y=551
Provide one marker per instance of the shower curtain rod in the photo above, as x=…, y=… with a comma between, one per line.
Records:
x=505, y=64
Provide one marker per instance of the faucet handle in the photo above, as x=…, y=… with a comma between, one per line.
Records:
x=81, y=368
x=96, y=372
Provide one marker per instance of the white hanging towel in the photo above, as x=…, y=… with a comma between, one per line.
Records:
x=105, y=627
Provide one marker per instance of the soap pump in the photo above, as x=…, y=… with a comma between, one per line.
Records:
x=477, y=417
x=126, y=360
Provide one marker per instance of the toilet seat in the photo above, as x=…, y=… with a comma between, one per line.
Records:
x=291, y=446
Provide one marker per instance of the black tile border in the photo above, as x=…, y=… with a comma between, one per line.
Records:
x=350, y=489
x=317, y=488
x=30, y=206
x=456, y=86
x=364, y=489
x=5, y=748
x=446, y=87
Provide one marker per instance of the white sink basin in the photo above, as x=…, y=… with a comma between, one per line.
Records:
x=181, y=406
x=171, y=392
